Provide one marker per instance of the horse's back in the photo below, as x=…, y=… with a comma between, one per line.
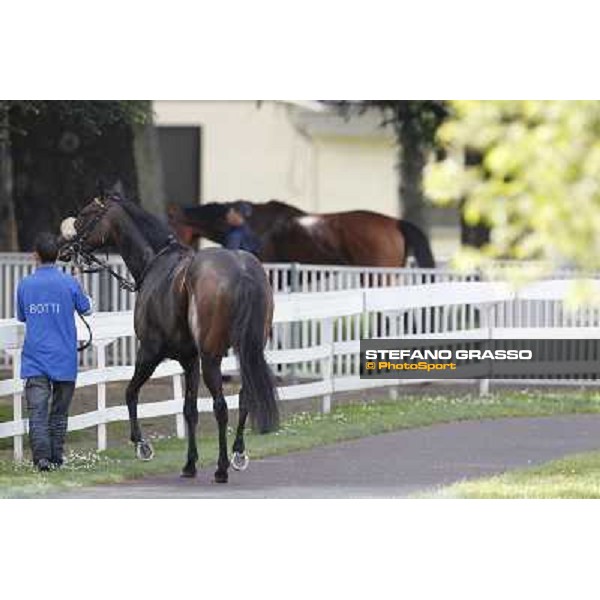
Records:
x=358, y=237
x=229, y=265
x=217, y=280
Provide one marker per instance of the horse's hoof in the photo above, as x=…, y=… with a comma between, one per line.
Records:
x=221, y=477
x=144, y=450
x=240, y=461
x=189, y=469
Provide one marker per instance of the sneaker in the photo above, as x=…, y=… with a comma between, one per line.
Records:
x=43, y=464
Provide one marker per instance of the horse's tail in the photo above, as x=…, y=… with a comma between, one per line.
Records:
x=247, y=333
x=417, y=242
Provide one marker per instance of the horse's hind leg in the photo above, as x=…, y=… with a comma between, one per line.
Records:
x=190, y=412
x=145, y=364
x=211, y=372
x=239, y=460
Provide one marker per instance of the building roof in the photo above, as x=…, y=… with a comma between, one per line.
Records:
x=317, y=119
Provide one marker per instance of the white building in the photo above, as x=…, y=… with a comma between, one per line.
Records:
x=298, y=152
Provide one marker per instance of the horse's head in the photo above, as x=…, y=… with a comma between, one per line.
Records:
x=199, y=221
x=92, y=229
x=184, y=232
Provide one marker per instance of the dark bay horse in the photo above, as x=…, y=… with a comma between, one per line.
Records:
x=288, y=234
x=191, y=307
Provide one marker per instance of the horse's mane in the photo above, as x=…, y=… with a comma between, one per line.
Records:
x=213, y=211
x=156, y=232
x=208, y=212
x=283, y=207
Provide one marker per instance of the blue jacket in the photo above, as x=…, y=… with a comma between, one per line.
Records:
x=46, y=303
x=242, y=238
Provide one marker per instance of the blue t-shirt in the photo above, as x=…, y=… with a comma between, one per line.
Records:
x=241, y=238
x=46, y=303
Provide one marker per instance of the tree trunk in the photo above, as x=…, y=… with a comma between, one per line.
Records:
x=149, y=170
x=411, y=166
x=8, y=222
x=475, y=236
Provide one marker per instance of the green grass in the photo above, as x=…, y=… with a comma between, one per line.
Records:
x=5, y=415
x=576, y=476
x=301, y=431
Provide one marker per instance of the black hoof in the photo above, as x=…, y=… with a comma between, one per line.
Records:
x=189, y=469
x=221, y=477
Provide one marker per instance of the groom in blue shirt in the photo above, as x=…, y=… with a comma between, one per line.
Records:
x=238, y=235
x=46, y=303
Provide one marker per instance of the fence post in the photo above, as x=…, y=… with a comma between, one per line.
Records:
x=294, y=277
x=178, y=395
x=294, y=327
x=486, y=325
x=17, y=404
x=327, y=363
x=101, y=400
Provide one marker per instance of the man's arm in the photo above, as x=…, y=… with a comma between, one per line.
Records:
x=83, y=303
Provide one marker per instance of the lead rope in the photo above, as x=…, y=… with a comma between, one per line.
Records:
x=123, y=282
x=88, y=343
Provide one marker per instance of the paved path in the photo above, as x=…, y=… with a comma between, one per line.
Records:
x=390, y=465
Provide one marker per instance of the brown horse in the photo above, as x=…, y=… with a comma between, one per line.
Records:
x=287, y=234
x=191, y=307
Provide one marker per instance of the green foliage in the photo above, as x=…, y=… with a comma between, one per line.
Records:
x=91, y=116
x=62, y=152
x=424, y=116
x=534, y=180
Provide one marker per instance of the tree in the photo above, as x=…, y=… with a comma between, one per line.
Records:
x=414, y=123
x=8, y=223
x=60, y=139
x=537, y=184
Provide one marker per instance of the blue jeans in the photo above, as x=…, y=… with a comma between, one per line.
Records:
x=48, y=408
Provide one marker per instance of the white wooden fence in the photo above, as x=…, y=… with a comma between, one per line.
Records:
x=284, y=278
x=331, y=310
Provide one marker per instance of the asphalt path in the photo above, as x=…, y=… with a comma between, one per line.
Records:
x=391, y=465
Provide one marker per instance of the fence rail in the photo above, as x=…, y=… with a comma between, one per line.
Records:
x=297, y=278
x=284, y=277
x=334, y=313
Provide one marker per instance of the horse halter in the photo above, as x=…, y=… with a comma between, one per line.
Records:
x=76, y=240
x=74, y=250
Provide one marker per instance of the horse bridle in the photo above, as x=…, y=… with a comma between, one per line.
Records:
x=75, y=251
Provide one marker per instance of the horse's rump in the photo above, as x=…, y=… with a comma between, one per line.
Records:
x=215, y=280
x=231, y=305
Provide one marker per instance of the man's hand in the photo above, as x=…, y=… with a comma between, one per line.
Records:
x=76, y=272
